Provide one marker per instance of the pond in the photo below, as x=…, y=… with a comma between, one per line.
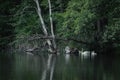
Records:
x=26, y=66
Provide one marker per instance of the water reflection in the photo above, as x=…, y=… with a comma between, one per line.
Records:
x=6, y=66
x=49, y=67
x=22, y=66
x=67, y=58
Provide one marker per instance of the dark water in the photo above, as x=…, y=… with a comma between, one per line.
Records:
x=22, y=66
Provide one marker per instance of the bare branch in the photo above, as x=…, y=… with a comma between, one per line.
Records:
x=59, y=38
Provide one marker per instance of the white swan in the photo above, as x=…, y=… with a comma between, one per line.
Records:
x=87, y=53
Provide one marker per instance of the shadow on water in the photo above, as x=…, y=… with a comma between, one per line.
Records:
x=27, y=66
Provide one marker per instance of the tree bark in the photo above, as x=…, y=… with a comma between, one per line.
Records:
x=51, y=22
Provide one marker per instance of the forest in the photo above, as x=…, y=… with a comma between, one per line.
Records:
x=59, y=39
x=82, y=24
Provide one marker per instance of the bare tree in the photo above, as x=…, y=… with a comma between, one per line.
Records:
x=52, y=45
x=51, y=22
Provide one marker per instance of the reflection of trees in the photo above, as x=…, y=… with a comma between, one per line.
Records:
x=107, y=68
x=49, y=67
x=28, y=66
x=6, y=66
x=75, y=69
x=99, y=68
x=45, y=67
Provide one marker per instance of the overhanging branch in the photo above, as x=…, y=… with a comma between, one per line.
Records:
x=58, y=38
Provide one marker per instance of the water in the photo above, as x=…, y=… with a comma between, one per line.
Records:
x=26, y=66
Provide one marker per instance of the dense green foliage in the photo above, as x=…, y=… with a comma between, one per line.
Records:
x=94, y=22
x=6, y=30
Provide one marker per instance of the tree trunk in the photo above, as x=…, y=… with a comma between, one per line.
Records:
x=51, y=22
x=51, y=46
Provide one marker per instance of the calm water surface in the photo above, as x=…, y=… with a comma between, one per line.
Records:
x=26, y=66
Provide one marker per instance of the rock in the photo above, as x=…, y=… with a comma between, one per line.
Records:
x=69, y=50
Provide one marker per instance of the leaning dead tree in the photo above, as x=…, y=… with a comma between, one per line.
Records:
x=51, y=22
x=51, y=44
